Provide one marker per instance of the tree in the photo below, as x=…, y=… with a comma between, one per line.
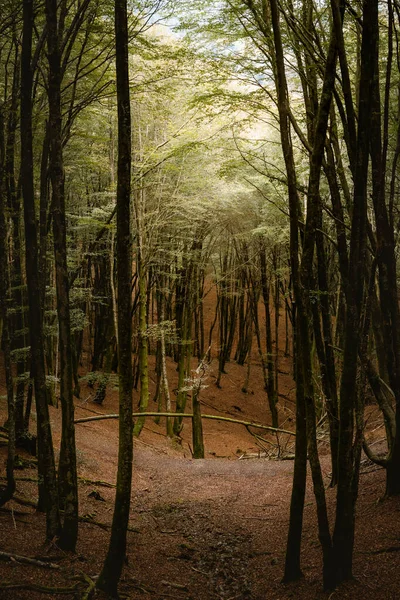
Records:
x=350, y=451
x=7, y=493
x=272, y=35
x=48, y=498
x=67, y=476
x=111, y=572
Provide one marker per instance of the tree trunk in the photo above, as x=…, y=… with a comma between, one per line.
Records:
x=67, y=475
x=271, y=388
x=143, y=351
x=164, y=375
x=197, y=424
x=17, y=325
x=48, y=496
x=292, y=563
x=112, y=569
x=386, y=252
x=343, y=537
x=7, y=493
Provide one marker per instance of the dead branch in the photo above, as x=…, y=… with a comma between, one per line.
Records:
x=38, y=588
x=89, y=519
x=383, y=550
x=27, y=560
x=91, y=586
x=176, y=586
x=106, y=484
x=31, y=479
x=189, y=416
x=24, y=501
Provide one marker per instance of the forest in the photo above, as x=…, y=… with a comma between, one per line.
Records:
x=199, y=304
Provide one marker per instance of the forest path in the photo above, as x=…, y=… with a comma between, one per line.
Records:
x=207, y=525
x=200, y=529
x=212, y=529
x=216, y=528
x=211, y=517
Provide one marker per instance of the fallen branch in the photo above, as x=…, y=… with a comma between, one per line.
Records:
x=20, y=513
x=24, y=501
x=31, y=479
x=176, y=586
x=90, y=589
x=27, y=560
x=96, y=412
x=366, y=471
x=105, y=526
x=27, y=463
x=130, y=583
x=34, y=587
x=97, y=482
x=383, y=550
x=87, y=519
x=189, y=416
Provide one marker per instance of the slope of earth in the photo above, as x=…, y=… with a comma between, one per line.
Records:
x=200, y=529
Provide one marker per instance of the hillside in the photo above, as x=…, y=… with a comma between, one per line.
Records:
x=205, y=529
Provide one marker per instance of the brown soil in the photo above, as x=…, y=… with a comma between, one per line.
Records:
x=200, y=529
x=203, y=529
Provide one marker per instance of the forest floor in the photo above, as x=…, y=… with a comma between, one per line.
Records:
x=199, y=529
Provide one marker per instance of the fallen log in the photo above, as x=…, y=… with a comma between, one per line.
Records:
x=189, y=416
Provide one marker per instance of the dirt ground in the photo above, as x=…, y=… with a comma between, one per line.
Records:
x=212, y=529
x=200, y=529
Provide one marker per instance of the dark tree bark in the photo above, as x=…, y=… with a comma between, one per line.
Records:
x=17, y=325
x=244, y=320
x=187, y=287
x=386, y=254
x=197, y=423
x=111, y=572
x=343, y=537
x=48, y=495
x=302, y=279
x=271, y=373
x=312, y=222
x=292, y=563
x=6, y=493
x=68, y=481
x=142, y=342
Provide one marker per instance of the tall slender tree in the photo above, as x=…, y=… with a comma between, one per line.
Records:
x=343, y=537
x=68, y=482
x=48, y=494
x=111, y=572
x=7, y=493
